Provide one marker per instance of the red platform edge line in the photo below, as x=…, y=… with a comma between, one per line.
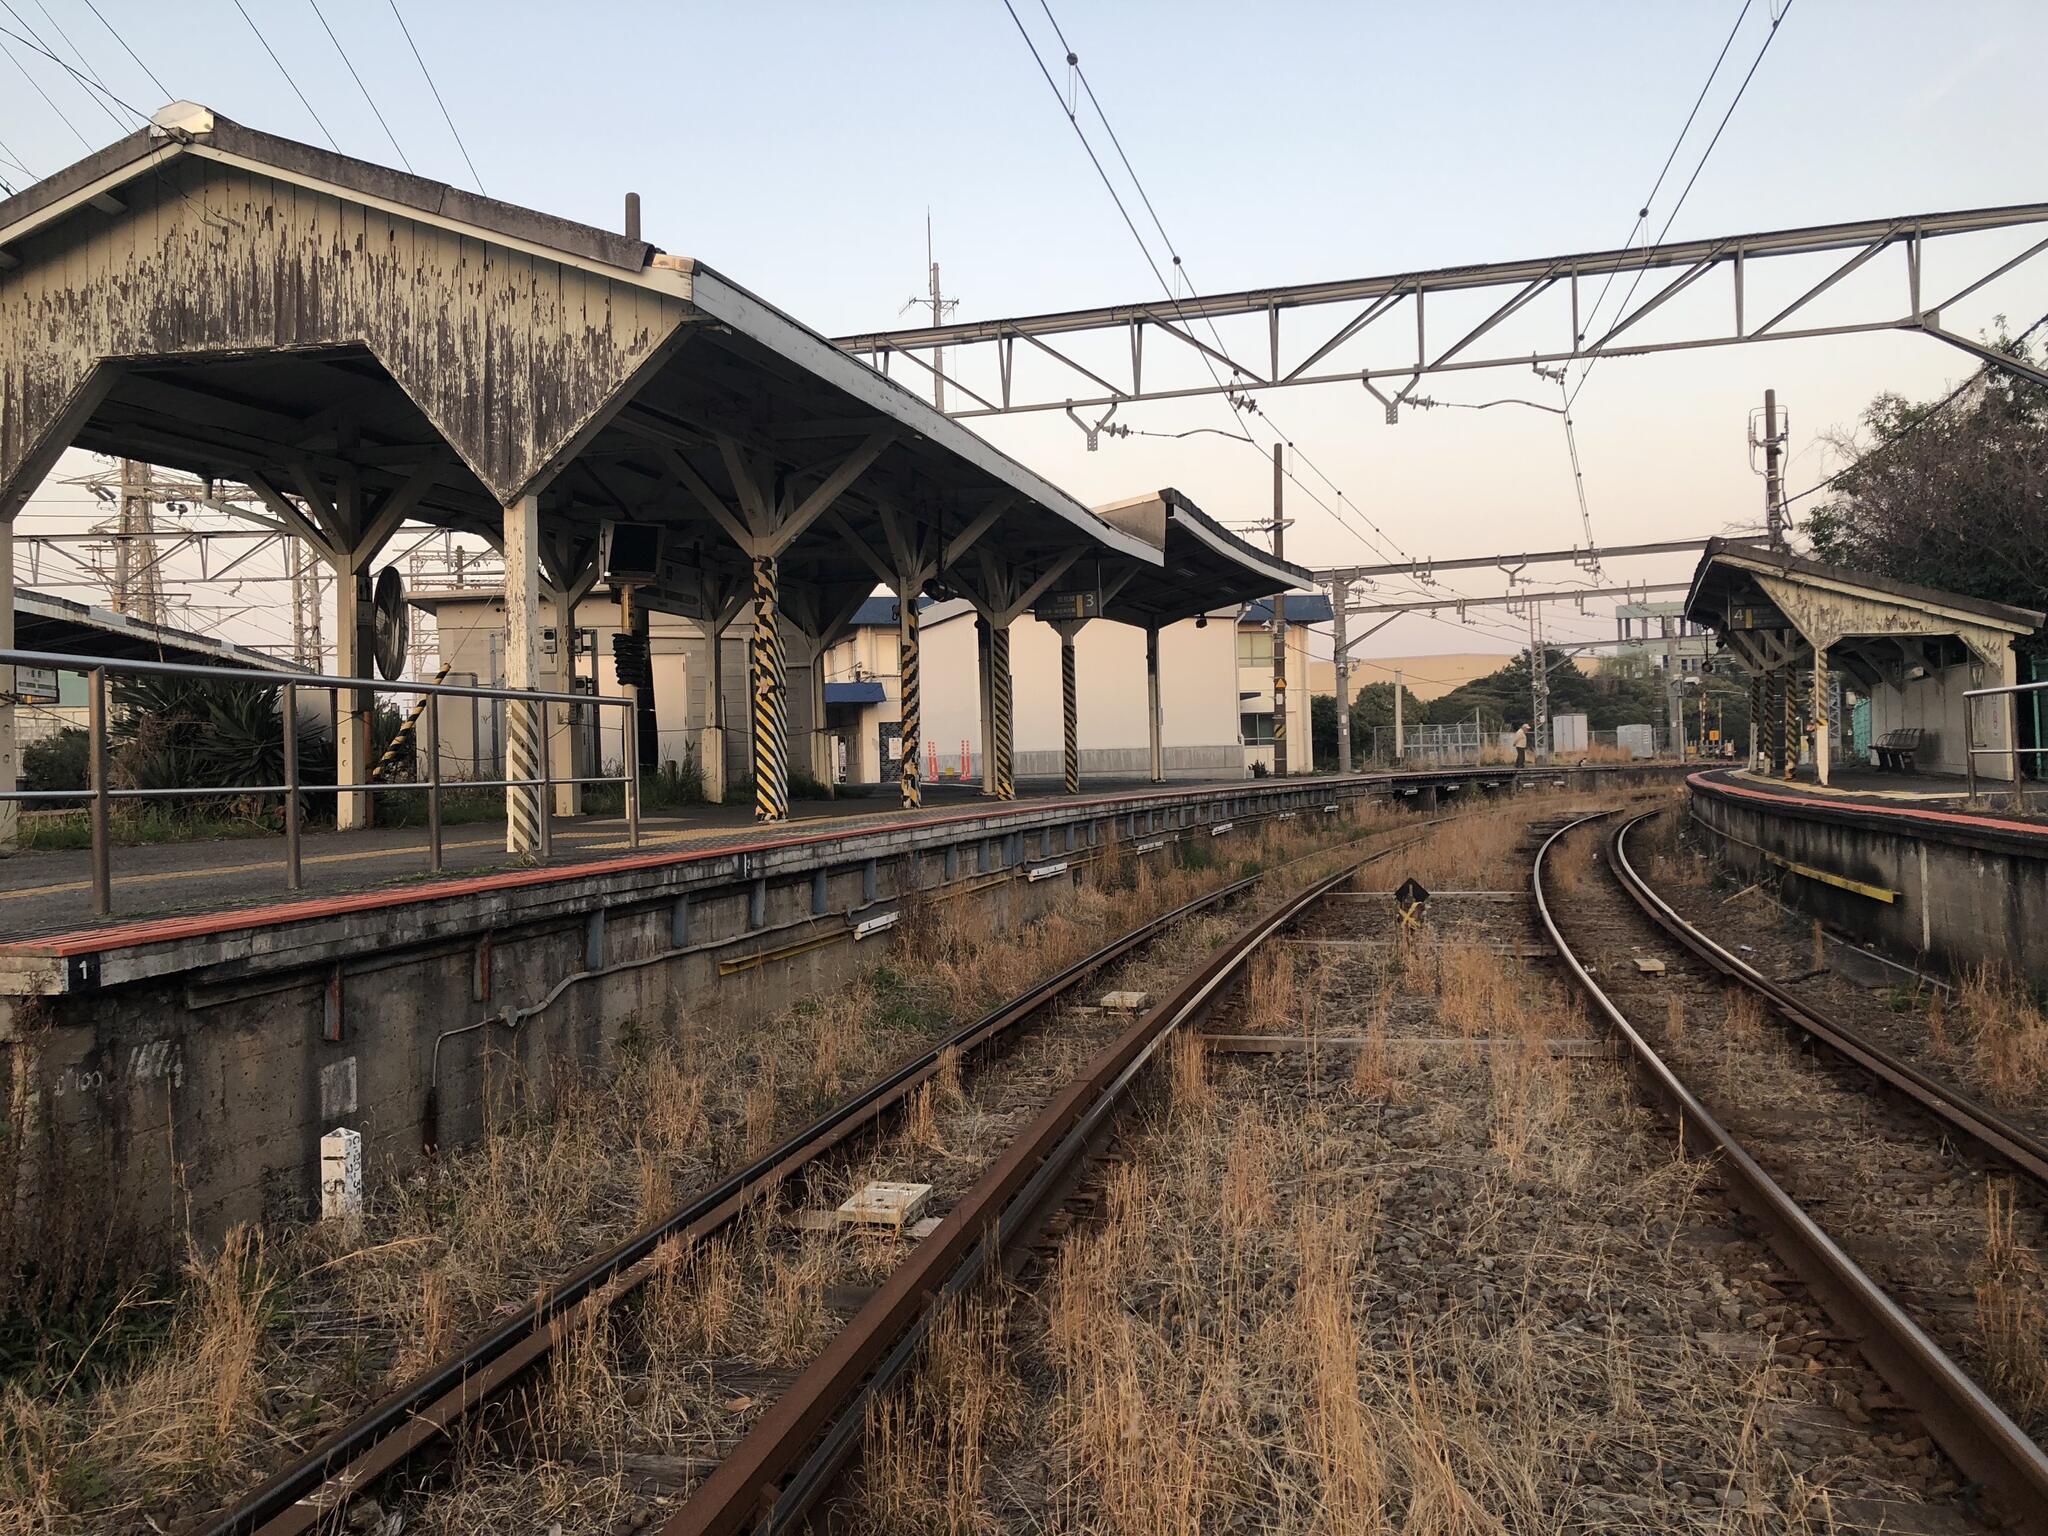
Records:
x=163, y=930
x=1707, y=781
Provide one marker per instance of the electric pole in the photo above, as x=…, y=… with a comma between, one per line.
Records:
x=1774, y=488
x=138, y=580
x=1539, y=684
x=1340, y=599
x=1279, y=626
x=940, y=307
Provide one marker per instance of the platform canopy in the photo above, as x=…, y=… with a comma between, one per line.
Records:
x=1203, y=566
x=364, y=346
x=1912, y=650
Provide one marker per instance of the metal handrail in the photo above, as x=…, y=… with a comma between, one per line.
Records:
x=101, y=794
x=2012, y=748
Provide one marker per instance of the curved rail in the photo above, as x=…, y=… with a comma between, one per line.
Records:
x=313, y=1488
x=1972, y=1428
x=1957, y=1109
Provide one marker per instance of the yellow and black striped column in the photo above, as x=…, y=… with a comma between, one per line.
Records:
x=1070, y=714
x=1788, y=739
x=401, y=743
x=1756, y=718
x=771, y=699
x=1002, y=772
x=909, y=696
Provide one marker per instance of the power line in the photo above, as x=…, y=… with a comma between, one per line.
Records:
x=1706, y=154
x=166, y=91
x=94, y=80
x=450, y=121
x=1924, y=418
x=37, y=47
x=1643, y=216
x=345, y=59
x=37, y=87
x=1385, y=544
x=288, y=80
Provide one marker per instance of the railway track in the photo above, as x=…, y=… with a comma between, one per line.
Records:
x=1895, y=1199
x=315, y=1492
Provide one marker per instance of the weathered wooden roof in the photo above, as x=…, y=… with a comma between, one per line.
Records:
x=233, y=304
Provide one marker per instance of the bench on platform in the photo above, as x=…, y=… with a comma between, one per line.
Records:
x=1895, y=749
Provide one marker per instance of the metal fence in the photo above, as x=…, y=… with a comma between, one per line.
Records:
x=2011, y=748
x=100, y=793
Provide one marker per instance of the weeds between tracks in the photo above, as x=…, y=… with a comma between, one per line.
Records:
x=189, y=1387
x=1447, y=1290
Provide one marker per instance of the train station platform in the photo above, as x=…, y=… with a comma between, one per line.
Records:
x=1901, y=863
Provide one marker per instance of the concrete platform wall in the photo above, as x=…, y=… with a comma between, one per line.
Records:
x=189, y=1090
x=1960, y=899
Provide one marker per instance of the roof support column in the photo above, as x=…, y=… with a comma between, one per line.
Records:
x=1788, y=725
x=570, y=576
x=1823, y=748
x=771, y=703
x=984, y=654
x=10, y=813
x=1070, y=713
x=1002, y=770
x=1152, y=720
x=526, y=820
x=909, y=695
x=1756, y=714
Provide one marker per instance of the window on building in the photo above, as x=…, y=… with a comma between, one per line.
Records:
x=1255, y=648
x=1257, y=730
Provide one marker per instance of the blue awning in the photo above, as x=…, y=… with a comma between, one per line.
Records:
x=853, y=693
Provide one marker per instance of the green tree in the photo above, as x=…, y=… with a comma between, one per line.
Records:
x=1952, y=495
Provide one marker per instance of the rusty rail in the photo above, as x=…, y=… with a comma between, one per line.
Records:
x=1009, y=1199
x=319, y=1484
x=1976, y=1121
x=1967, y=1424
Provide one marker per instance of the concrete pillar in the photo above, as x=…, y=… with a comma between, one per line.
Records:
x=910, y=695
x=711, y=744
x=10, y=757
x=984, y=655
x=1002, y=760
x=523, y=830
x=822, y=768
x=769, y=692
x=1153, y=723
x=1823, y=746
x=355, y=642
x=561, y=728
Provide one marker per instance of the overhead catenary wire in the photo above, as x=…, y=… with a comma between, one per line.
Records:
x=89, y=82
x=375, y=110
x=1922, y=420
x=37, y=86
x=288, y=80
x=1385, y=544
x=1777, y=20
x=36, y=47
x=114, y=32
x=431, y=86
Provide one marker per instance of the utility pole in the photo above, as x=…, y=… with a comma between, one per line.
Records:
x=1539, y=683
x=1399, y=688
x=1340, y=598
x=1774, y=488
x=940, y=307
x=1279, y=626
x=138, y=580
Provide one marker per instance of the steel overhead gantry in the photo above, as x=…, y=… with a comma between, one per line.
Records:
x=1338, y=581
x=1362, y=302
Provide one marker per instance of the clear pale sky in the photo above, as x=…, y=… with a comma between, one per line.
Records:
x=796, y=147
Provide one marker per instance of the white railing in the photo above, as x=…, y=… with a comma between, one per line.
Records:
x=100, y=793
x=2012, y=749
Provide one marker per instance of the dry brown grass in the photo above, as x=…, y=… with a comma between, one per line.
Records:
x=276, y=1339
x=2010, y=1312
x=2001, y=1037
